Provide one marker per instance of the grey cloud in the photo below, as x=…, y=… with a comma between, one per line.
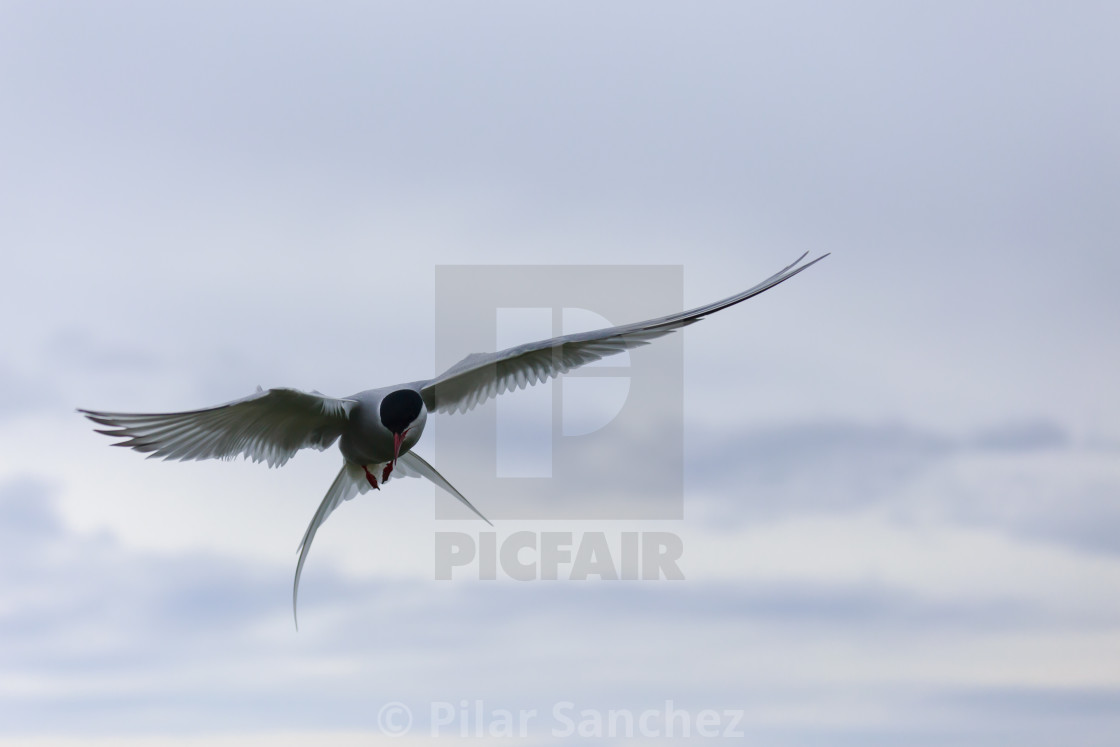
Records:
x=1022, y=436
x=27, y=511
x=150, y=623
x=77, y=349
x=743, y=475
x=909, y=98
x=838, y=465
x=1076, y=702
x=833, y=606
x=1079, y=511
x=20, y=393
x=1025, y=715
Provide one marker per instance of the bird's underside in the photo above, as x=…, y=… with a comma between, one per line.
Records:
x=378, y=427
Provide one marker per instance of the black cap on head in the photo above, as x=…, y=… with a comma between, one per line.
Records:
x=400, y=408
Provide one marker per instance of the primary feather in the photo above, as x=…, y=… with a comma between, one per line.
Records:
x=482, y=376
x=268, y=426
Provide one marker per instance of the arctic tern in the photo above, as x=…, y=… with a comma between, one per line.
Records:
x=377, y=429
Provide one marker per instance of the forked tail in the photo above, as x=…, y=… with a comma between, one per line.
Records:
x=351, y=480
x=348, y=484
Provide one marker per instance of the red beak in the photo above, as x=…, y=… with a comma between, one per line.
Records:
x=397, y=439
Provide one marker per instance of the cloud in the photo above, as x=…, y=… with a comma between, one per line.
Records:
x=1028, y=478
x=1071, y=497
x=1025, y=436
x=839, y=465
x=95, y=635
x=20, y=393
x=26, y=512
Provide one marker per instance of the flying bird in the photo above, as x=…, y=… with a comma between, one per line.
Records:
x=377, y=429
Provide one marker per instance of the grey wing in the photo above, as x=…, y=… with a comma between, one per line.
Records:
x=481, y=376
x=413, y=465
x=271, y=426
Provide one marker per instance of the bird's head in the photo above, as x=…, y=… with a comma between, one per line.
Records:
x=403, y=413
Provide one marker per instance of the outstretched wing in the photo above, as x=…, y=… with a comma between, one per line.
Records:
x=269, y=426
x=481, y=376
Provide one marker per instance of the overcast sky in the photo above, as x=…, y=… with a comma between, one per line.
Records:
x=902, y=468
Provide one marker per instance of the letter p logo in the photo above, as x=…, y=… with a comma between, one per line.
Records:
x=602, y=441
